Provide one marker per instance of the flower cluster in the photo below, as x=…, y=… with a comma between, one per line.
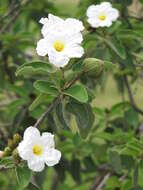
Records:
x=61, y=41
x=38, y=150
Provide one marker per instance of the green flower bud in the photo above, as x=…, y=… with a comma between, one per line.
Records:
x=7, y=152
x=93, y=67
x=16, y=139
x=1, y=154
x=11, y=144
x=15, y=156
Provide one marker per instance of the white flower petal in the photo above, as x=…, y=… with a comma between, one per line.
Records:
x=54, y=19
x=74, y=39
x=58, y=59
x=43, y=20
x=95, y=23
x=36, y=165
x=113, y=14
x=53, y=157
x=74, y=25
x=48, y=140
x=105, y=5
x=75, y=51
x=53, y=23
x=24, y=150
x=42, y=47
x=92, y=10
x=31, y=132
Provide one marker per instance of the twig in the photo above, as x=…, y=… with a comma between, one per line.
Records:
x=137, y=18
x=72, y=82
x=132, y=101
x=55, y=181
x=139, y=65
x=99, y=182
x=122, y=178
x=6, y=68
x=50, y=108
x=13, y=17
x=135, y=176
x=102, y=183
x=3, y=167
x=13, y=7
x=63, y=73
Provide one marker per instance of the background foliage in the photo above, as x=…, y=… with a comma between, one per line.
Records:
x=98, y=124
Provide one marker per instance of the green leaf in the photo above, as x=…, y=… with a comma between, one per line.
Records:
x=116, y=45
x=133, y=148
x=46, y=87
x=35, y=67
x=83, y=115
x=89, y=164
x=132, y=118
x=23, y=176
x=115, y=160
x=6, y=161
x=139, y=56
x=136, y=176
x=32, y=187
x=129, y=34
x=77, y=92
x=39, y=100
x=75, y=170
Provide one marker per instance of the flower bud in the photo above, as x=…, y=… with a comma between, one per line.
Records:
x=1, y=154
x=7, y=152
x=93, y=67
x=11, y=144
x=15, y=156
x=16, y=139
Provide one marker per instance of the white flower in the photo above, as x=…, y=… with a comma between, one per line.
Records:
x=102, y=15
x=62, y=40
x=38, y=150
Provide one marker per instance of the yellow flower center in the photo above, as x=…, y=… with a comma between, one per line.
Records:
x=102, y=17
x=59, y=46
x=37, y=150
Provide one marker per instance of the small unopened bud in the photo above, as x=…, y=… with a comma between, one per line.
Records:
x=15, y=156
x=7, y=152
x=93, y=67
x=11, y=144
x=1, y=153
x=16, y=139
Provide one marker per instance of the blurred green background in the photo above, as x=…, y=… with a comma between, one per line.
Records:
x=106, y=95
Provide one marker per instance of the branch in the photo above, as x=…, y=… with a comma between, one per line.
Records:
x=73, y=81
x=3, y=167
x=55, y=181
x=102, y=183
x=6, y=68
x=99, y=183
x=50, y=108
x=13, y=16
x=139, y=65
x=13, y=7
x=132, y=101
